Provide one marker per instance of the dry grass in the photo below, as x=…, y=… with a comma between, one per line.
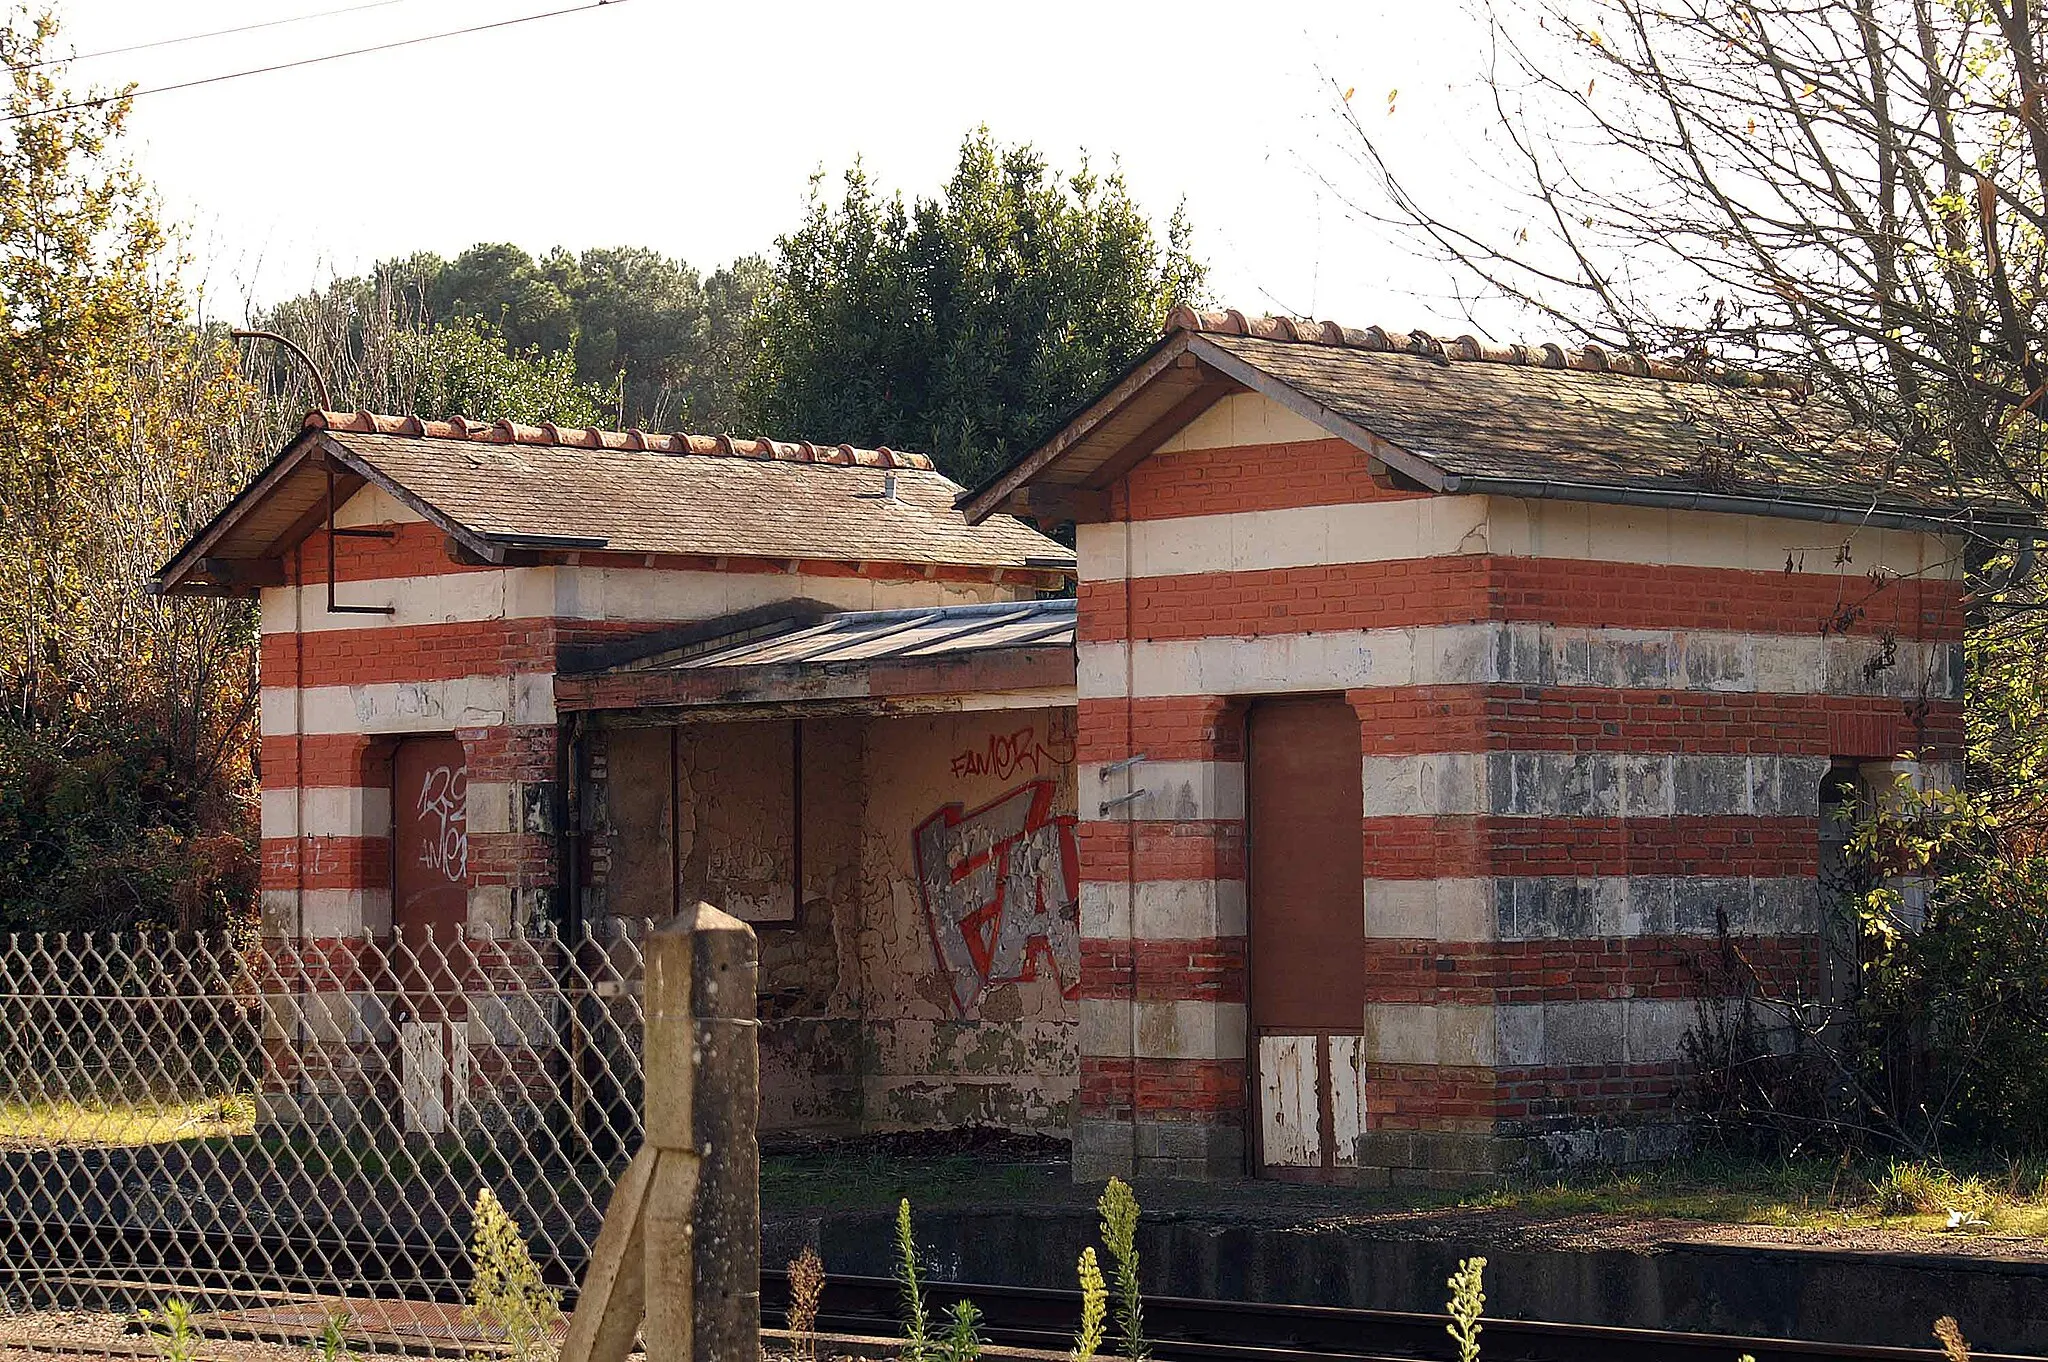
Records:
x=1812, y=1194
x=126, y=1120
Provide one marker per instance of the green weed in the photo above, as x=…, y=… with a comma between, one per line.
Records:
x=1468, y=1302
x=1094, y=1306
x=1119, y=1208
x=509, y=1298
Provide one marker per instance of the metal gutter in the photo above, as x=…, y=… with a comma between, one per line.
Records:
x=1551, y=489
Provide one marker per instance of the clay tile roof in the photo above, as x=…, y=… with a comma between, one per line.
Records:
x=1574, y=416
x=1460, y=414
x=499, y=486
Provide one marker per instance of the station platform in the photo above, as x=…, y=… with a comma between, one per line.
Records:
x=981, y=1218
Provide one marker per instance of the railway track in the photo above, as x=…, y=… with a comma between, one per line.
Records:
x=254, y=1267
x=1191, y=1329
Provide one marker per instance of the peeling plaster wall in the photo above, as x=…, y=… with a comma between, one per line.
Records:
x=926, y=978
x=993, y=1040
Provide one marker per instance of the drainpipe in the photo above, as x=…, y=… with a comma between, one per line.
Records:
x=300, y=847
x=1130, y=802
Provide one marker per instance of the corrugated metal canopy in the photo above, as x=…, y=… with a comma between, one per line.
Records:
x=874, y=635
x=859, y=662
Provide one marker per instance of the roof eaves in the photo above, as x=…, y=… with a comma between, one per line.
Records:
x=1869, y=514
x=979, y=503
x=174, y=575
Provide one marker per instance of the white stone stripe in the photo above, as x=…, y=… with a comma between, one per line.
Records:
x=1592, y=1031
x=1185, y=791
x=1592, y=785
x=325, y=912
x=327, y=811
x=1168, y=910
x=411, y=706
x=588, y=593
x=1162, y=1030
x=1523, y=654
x=1434, y=527
x=1590, y=907
x=1304, y=536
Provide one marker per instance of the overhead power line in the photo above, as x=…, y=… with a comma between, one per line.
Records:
x=99, y=100
x=195, y=37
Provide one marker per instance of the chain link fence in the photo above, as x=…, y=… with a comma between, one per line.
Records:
x=256, y=1124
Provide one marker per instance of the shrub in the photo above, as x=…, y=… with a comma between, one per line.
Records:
x=806, y=1286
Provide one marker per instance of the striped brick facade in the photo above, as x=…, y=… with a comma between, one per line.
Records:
x=1592, y=741
x=468, y=651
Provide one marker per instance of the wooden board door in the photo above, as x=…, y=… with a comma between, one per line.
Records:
x=1307, y=886
x=430, y=879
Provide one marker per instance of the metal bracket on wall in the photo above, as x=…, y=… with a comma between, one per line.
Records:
x=1118, y=801
x=1110, y=768
x=336, y=531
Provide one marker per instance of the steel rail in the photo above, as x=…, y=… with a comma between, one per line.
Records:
x=1182, y=1327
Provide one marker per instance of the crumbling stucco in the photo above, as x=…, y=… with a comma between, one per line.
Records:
x=898, y=989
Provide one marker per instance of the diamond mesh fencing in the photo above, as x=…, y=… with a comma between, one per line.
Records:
x=261, y=1125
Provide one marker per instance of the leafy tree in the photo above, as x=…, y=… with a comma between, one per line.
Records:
x=660, y=347
x=966, y=324
x=372, y=340
x=124, y=720
x=717, y=397
x=525, y=300
x=463, y=367
x=639, y=321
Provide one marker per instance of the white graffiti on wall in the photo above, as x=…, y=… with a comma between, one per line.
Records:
x=1001, y=892
x=443, y=810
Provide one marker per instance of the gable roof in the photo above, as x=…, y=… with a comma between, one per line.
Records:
x=1463, y=416
x=501, y=488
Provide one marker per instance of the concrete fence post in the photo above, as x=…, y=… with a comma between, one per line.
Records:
x=681, y=1242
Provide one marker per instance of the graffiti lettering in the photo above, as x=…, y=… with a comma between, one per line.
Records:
x=1001, y=891
x=319, y=856
x=1010, y=754
x=444, y=821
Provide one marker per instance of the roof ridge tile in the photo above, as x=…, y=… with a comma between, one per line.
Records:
x=1589, y=358
x=506, y=432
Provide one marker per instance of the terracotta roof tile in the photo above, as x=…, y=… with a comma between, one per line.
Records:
x=1470, y=349
x=590, y=437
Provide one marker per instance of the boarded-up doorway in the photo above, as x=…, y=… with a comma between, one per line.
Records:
x=430, y=907
x=1307, y=877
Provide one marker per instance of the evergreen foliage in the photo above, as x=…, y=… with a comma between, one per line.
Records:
x=965, y=325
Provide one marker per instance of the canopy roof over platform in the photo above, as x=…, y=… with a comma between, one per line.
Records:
x=798, y=655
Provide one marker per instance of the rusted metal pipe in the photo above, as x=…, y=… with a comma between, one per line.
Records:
x=319, y=380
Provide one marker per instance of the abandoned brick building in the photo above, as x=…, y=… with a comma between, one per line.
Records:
x=1423, y=713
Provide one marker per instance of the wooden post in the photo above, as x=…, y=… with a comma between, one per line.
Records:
x=681, y=1243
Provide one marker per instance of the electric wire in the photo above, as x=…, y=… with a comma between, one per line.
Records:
x=119, y=96
x=195, y=37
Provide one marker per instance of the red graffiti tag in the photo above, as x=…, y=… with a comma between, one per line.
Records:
x=1010, y=754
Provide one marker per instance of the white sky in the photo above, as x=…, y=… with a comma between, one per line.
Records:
x=692, y=127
